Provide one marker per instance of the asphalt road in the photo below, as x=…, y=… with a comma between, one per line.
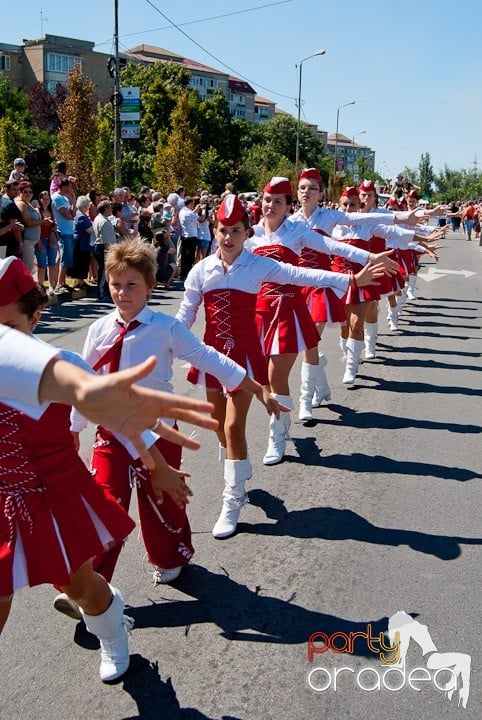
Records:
x=376, y=509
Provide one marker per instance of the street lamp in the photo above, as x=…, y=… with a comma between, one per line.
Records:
x=298, y=126
x=362, y=132
x=336, y=134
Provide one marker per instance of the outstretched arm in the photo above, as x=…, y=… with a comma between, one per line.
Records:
x=115, y=402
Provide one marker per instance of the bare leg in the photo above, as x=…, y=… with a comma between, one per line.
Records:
x=219, y=413
x=237, y=407
x=89, y=590
x=279, y=368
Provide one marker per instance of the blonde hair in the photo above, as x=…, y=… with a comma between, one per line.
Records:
x=132, y=254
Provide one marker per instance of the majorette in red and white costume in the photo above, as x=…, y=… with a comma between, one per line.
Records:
x=323, y=305
x=165, y=527
x=228, y=286
x=361, y=236
x=284, y=322
x=53, y=517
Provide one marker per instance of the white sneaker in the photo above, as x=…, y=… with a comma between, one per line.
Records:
x=162, y=576
x=63, y=604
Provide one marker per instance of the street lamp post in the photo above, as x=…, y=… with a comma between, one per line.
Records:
x=362, y=132
x=298, y=126
x=336, y=134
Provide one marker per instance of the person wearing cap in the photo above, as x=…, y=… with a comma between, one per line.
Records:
x=284, y=322
x=228, y=283
x=323, y=304
x=18, y=172
x=53, y=517
x=357, y=301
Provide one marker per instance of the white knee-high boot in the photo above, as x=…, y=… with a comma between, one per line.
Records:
x=111, y=627
x=236, y=473
x=343, y=342
x=393, y=319
x=353, y=352
x=371, y=334
x=322, y=389
x=221, y=453
x=309, y=375
x=412, y=279
x=278, y=432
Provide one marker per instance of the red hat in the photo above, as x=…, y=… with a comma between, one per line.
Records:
x=231, y=210
x=413, y=194
x=310, y=174
x=15, y=280
x=278, y=186
x=350, y=192
x=367, y=186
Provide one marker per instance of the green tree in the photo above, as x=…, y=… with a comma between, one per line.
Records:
x=77, y=136
x=426, y=175
x=103, y=171
x=177, y=158
x=214, y=172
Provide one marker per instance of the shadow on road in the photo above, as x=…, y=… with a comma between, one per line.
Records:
x=309, y=454
x=243, y=614
x=349, y=417
x=156, y=698
x=329, y=523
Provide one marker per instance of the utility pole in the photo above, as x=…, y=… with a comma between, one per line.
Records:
x=117, y=98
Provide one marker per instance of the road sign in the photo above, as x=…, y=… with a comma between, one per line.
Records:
x=130, y=131
x=130, y=112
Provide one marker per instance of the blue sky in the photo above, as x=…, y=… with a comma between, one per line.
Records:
x=413, y=68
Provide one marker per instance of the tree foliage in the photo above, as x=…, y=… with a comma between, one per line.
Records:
x=77, y=136
x=45, y=107
x=177, y=158
x=425, y=176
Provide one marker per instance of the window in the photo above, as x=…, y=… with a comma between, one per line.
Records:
x=240, y=113
x=5, y=63
x=51, y=86
x=61, y=63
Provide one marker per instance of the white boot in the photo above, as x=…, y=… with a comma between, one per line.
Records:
x=278, y=432
x=393, y=320
x=353, y=352
x=412, y=279
x=309, y=374
x=343, y=342
x=322, y=389
x=111, y=627
x=221, y=453
x=371, y=334
x=236, y=472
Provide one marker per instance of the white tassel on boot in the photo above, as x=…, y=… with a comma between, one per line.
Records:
x=322, y=389
x=309, y=374
x=412, y=280
x=111, y=627
x=353, y=352
x=371, y=335
x=393, y=320
x=236, y=473
x=278, y=432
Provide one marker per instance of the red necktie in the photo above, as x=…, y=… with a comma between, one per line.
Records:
x=113, y=354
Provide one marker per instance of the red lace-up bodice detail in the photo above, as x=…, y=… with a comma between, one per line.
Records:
x=18, y=476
